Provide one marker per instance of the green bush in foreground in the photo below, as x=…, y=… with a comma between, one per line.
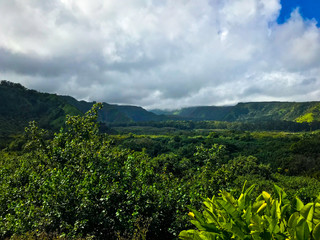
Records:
x=79, y=184
x=268, y=217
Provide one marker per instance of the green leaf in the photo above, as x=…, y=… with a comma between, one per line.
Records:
x=247, y=215
x=198, y=215
x=298, y=204
x=228, y=197
x=198, y=224
x=316, y=214
x=302, y=230
x=284, y=209
x=266, y=196
x=293, y=220
x=316, y=232
x=317, y=199
x=305, y=210
x=257, y=205
x=189, y=235
x=249, y=190
x=279, y=191
x=208, y=236
x=262, y=207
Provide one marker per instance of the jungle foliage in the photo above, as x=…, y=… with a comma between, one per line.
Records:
x=266, y=218
x=80, y=183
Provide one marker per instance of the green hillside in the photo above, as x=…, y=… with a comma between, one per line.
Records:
x=313, y=114
x=287, y=111
x=252, y=111
x=115, y=113
x=205, y=113
x=20, y=105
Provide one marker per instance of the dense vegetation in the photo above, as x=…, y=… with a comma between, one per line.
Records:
x=80, y=183
x=139, y=180
x=20, y=105
x=252, y=111
x=268, y=217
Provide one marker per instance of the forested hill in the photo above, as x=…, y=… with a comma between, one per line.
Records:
x=20, y=105
x=252, y=111
x=115, y=113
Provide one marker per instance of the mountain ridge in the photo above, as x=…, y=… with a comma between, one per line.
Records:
x=20, y=105
x=251, y=111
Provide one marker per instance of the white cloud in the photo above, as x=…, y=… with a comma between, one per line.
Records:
x=160, y=54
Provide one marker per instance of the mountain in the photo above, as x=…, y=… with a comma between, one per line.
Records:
x=285, y=111
x=20, y=105
x=115, y=113
x=213, y=113
x=251, y=111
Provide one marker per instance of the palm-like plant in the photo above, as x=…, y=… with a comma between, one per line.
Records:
x=266, y=218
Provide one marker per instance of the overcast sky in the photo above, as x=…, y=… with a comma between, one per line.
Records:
x=163, y=53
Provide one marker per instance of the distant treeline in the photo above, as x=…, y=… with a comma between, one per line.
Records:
x=270, y=125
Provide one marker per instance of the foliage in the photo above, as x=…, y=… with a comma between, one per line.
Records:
x=79, y=182
x=268, y=217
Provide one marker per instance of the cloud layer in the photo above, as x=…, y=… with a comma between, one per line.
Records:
x=160, y=54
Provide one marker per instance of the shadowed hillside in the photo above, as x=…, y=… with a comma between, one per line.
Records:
x=20, y=105
x=252, y=111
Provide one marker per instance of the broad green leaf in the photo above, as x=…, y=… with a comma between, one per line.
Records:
x=238, y=232
x=279, y=192
x=273, y=227
x=284, y=209
x=316, y=214
x=209, y=236
x=293, y=220
x=198, y=224
x=198, y=215
x=307, y=213
x=210, y=227
x=190, y=235
x=310, y=214
x=228, y=197
x=316, y=232
x=298, y=204
x=305, y=210
x=210, y=216
x=256, y=224
x=244, y=198
x=302, y=230
x=247, y=215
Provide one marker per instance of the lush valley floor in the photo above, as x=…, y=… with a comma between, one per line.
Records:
x=141, y=180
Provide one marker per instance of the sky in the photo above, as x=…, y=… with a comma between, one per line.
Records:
x=164, y=54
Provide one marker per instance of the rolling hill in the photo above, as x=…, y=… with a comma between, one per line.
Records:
x=20, y=105
x=251, y=111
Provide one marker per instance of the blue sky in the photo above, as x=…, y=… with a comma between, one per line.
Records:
x=309, y=9
x=164, y=54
